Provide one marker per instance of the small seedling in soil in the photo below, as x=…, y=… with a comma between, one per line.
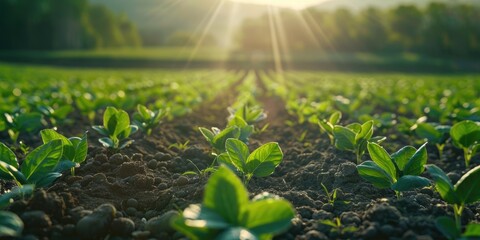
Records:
x=22, y=123
x=332, y=195
x=147, y=120
x=435, y=134
x=10, y=225
x=260, y=163
x=399, y=171
x=74, y=149
x=217, y=137
x=354, y=138
x=328, y=125
x=227, y=212
x=466, y=135
x=465, y=191
x=41, y=167
x=180, y=146
x=337, y=226
x=251, y=115
x=116, y=127
x=202, y=173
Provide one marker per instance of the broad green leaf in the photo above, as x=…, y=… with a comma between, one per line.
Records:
x=402, y=156
x=65, y=165
x=226, y=195
x=109, y=113
x=42, y=160
x=443, y=184
x=415, y=165
x=16, y=193
x=101, y=130
x=29, y=122
x=202, y=217
x=237, y=233
x=269, y=216
x=472, y=230
x=408, y=183
x=468, y=187
x=207, y=134
x=106, y=142
x=237, y=121
x=447, y=227
x=10, y=225
x=427, y=131
x=366, y=131
x=193, y=233
x=238, y=153
x=220, y=139
x=62, y=112
x=326, y=126
x=335, y=117
x=344, y=138
x=263, y=161
x=122, y=124
x=81, y=148
x=5, y=173
x=45, y=180
x=144, y=112
x=465, y=134
x=374, y=174
x=382, y=159
x=7, y=156
x=50, y=135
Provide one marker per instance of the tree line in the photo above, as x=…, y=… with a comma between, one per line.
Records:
x=63, y=24
x=451, y=30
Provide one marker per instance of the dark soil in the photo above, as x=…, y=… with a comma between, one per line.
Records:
x=133, y=193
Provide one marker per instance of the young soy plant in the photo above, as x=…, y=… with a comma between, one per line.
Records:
x=465, y=191
x=56, y=116
x=74, y=149
x=227, y=212
x=337, y=226
x=354, y=138
x=250, y=115
x=328, y=125
x=331, y=195
x=41, y=167
x=466, y=135
x=399, y=171
x=436, y=134
x=22, y=123
x=217, y=138
x=147, y=119
x=260, y=163
x=116, y=127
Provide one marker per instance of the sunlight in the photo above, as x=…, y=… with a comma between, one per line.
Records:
x=295, y=4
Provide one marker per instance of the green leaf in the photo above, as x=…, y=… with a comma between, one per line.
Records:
x=49, y=135
x=106, y=142
x=238, y=153
x=366, y=131
x=344, y=138
x=468, y=187
x=402, y=156
x=237, y=233
x=382, y=159
x=415, y=165
x=29, y=122
x=326, y=126
x=472, y=230
x=429, y=132
x=207, y=134
x=16, y=193
x=46, y=179
x=10, y=225
x=447, y=227
x=220, y=139
x=408, y=183
x=42, y=160
x=269, y=216
x=109, y=123
x=194, y=233
x=226, y=195
x=5, y=172
x=263, y=161
x=202, y=217
x=374, y=174
x=335, y=117
x=81, y=148
x=101, y=130
x=464, y=134
x=443, y=184
x=7, y=156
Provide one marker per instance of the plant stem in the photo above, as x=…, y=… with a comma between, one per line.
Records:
x=440, y=150
x=457, y=210
x=467, y=157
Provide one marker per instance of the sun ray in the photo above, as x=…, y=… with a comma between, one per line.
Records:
x=320, y=31
x=282, y=37
x=308, y=28
x=277, y=58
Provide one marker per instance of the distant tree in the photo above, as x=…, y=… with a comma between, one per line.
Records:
x=371, y=30
x=406, y=25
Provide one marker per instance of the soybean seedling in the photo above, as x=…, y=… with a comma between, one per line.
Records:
x=399, y=171
x=466, y=135
x=217, y=137
x=227, y=212
x=328, y=125
x=436, y=134
x=146, y=119
x=116, y=127
x=354, y=138
x=337, y=226
x=260, y=163
x=465, y=191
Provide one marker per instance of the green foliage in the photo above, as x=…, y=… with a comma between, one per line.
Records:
x=250, y=115
x=260, y=163
x=328, y=125
x=117, y=128
x=354, y=138
x=433, y=133
x=465, y=191
x=16, y=193
x=22, y=123
x=146, y=119
x=448, y=228
x=180, y=146
x=10, y=225
x=57, y=116
x=217, y=138
x=227, y=213
x=74, y=149
x=337, y=226
x=41, y=167
x=466, y=136
x=399, y=171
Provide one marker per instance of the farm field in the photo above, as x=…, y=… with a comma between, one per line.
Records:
x=342, y=155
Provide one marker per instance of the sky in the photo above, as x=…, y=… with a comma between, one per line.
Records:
x=296, y=4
